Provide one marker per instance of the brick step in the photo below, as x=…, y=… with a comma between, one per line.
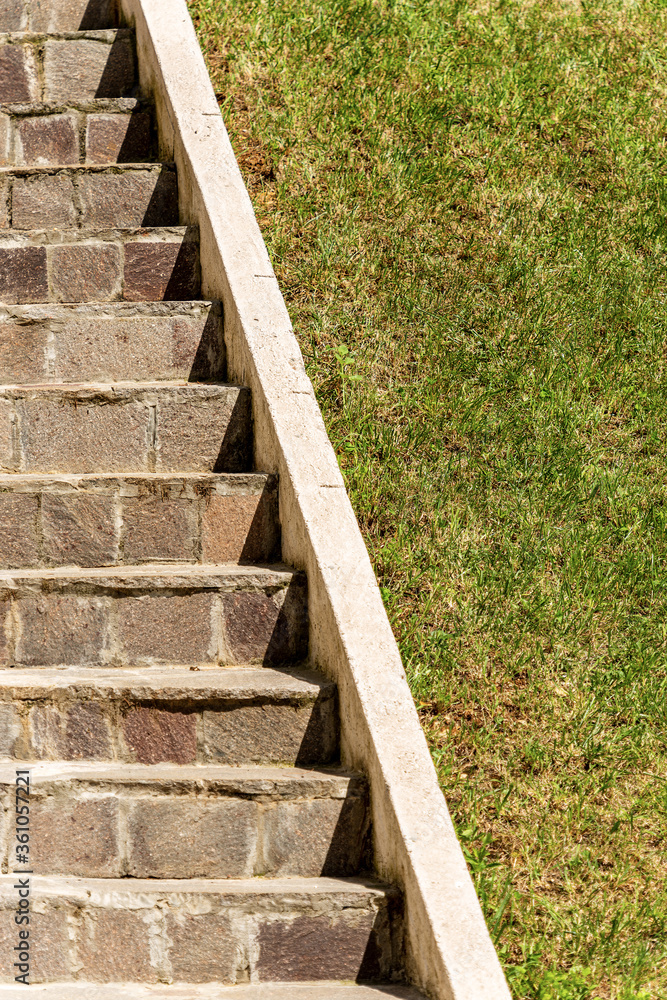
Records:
x=87, y=265
x=121, y=196
x=173, y=821
x=117, y=130
x=127, y=520
x=67, y=66
x=56, y=15
x=112, y=342
x=153, y=615
x=213, y=991
x=196, y=930
x=125, y=427
x=237, y=715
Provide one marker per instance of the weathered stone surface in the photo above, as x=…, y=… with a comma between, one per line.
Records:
x=177, y=837
x=156, y=529
x=72, y=837
x=118, y=138
x=45, y=732
x=87, y=733
x=167, y=629
x=22, y=348
x=312, y=838
x=83, y=69
x=46, y=140
x=10, y=729
x=18, y=79
x=70, y=15
x=23, y=275
x=68, y=434
x=240, y=529
x=129, y=198
x=211, y=437
x=18, y=529
x=154, y=735
x=260, y=627
x=13, y=15
x=78, y=529
x=268, y=732
x=85, y=272
x=161, y=270
x=60, y=630
x=311, y=948
x=43, y=201
x=114, y=947
x=202, y=948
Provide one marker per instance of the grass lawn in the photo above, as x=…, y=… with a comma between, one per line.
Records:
x=466, y=206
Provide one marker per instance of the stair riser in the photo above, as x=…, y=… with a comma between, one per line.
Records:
x=296, y=731
x=125, y=430
x=194, y=829
x=78, y=197
x=115, y=522
x=74, y=627
x=100, y=271
x=42, y=68
x=209, y=936
x=40, y=345
x=72, y=137
x=57, y=15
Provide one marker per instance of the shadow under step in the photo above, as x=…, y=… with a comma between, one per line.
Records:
x=153, y=615
x=120, y=196
x=118, y=341
x=182, y=822
x=127, y=520
x=105, y=130
x=67, y=66
x=196, y=930
x=126, y=427
x=236, y=715
x=84, y=265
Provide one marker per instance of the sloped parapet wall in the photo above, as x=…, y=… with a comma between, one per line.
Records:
x=449, y=952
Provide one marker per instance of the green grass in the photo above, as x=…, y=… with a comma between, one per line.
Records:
x=466, y=206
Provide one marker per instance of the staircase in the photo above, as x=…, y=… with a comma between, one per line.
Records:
x=191, y=829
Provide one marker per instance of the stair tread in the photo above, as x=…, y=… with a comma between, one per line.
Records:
x=251, y=780
x=170, y=683
x=163, y=308
x=94, y=104
x=97, y=387
x=320, y=990
x=95, y=34
x=188, y=575
x=102, y=891
x=60, y=237
x=76, y=479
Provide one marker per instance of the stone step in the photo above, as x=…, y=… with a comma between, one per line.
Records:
x=88, y=265
x=112, y=342
x=125, y=427
x=237, y=715
x=67, y=66
x=194, y=930
x=213, y=991
x=98, y=131
x=153, y=615
x=127, y=520
x=121, y=196
x=182, y=822
x=56, y=15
